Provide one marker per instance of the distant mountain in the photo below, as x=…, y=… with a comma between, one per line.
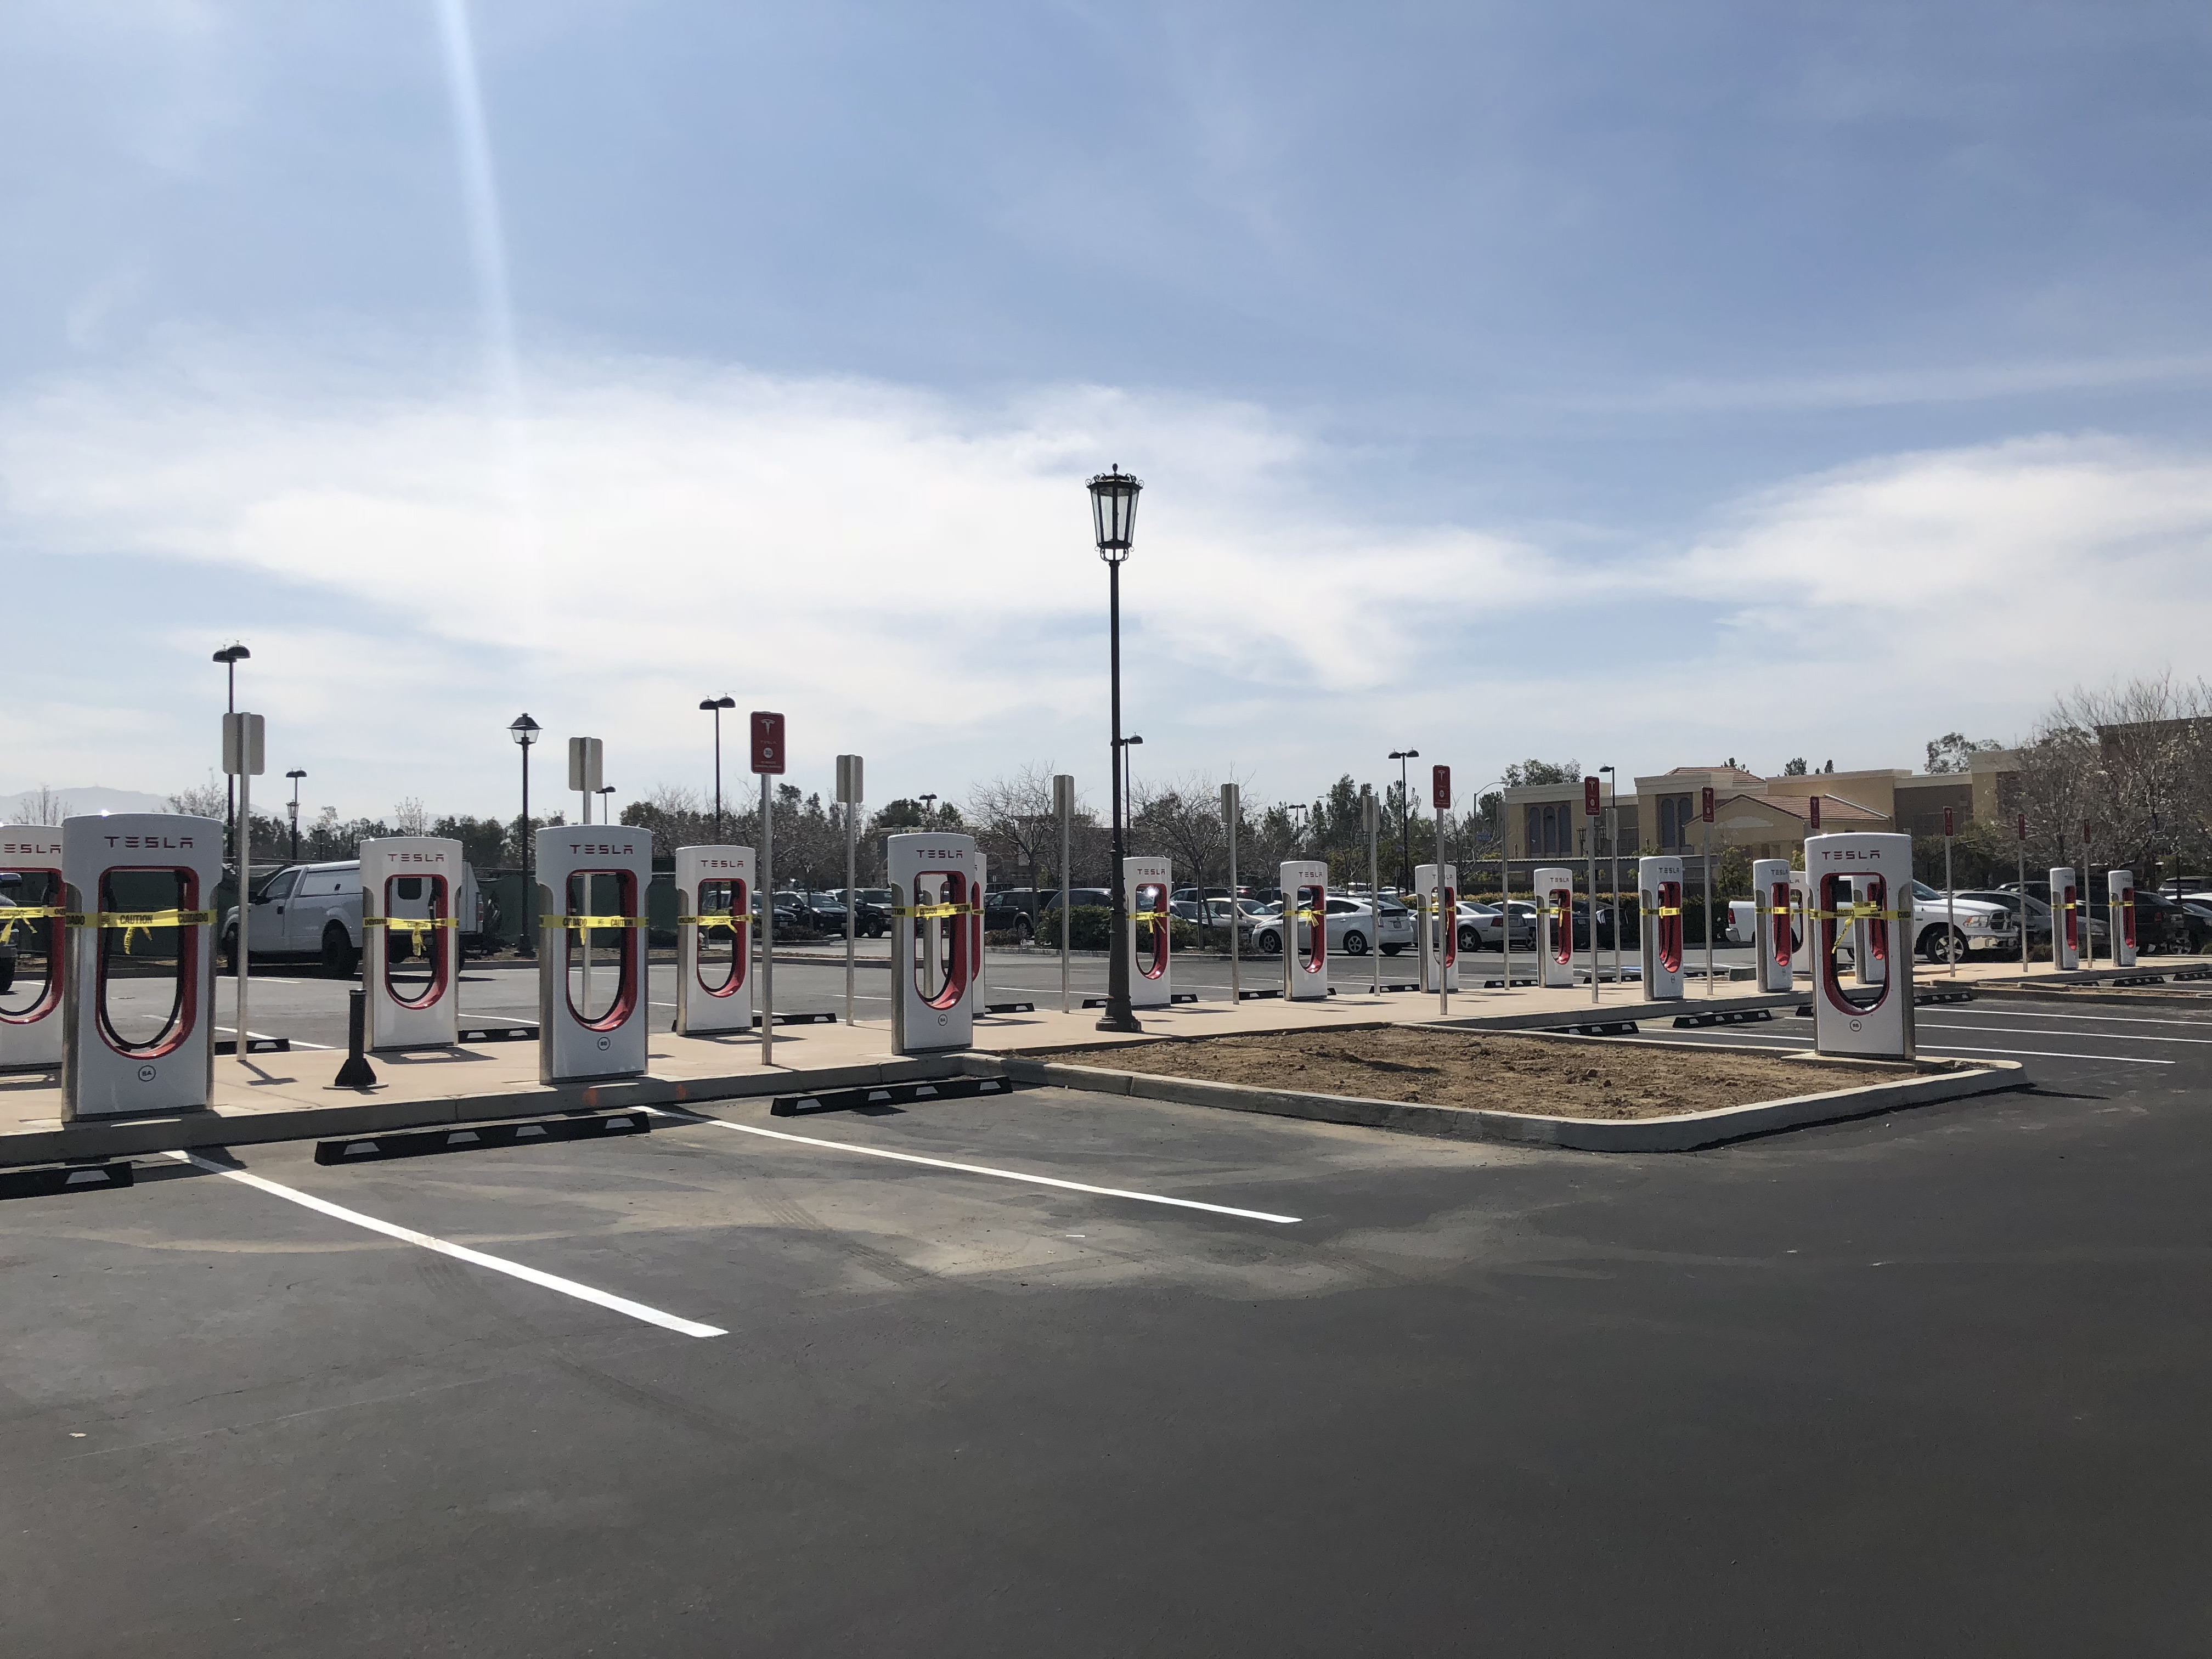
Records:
x=23, y=807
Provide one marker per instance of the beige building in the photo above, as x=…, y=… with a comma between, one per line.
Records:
x=1767, y=818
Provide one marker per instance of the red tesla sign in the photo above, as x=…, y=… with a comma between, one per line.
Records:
x=1813, y=818
x=1440, y=787
x=1705, y=805
x=1950, y=823
x=1590, y=797
x=767, y=742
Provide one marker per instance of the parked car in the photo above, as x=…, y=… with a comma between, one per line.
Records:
x=2164, y=926
x=827, y=913
x=1352, y=928
x=1078, y=898
x=1014, y=910
x=1219, y=914
x=312, y=911
x=1483, y=926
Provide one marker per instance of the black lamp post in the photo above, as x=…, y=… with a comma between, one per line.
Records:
x=928, y=811
x=295, y=774
x=230, y=656
x=1405, y=817
x=1129, y=788
x=523, y=730
x=716, y=705
x=1113, y=514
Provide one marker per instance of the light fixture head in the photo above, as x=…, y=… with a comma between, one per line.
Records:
x=1114, y=512
x=232, y=654
x=524, y=730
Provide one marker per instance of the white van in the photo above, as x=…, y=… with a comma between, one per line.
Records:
x=313, y=911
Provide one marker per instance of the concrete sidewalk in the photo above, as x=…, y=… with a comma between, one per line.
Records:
x=277, y=1096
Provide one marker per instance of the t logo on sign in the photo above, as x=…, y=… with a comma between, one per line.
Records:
x=1440, y=789
x=768, y=743
x=1590, y=797
x=1705, y=804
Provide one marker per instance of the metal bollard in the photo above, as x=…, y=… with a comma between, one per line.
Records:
x=357, y=1073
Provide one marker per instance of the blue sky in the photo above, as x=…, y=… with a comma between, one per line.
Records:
x=1638, y=384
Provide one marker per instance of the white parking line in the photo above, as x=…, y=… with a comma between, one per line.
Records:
x=264, y=1037
x=461, y=1251
x=2045, y=1054
x=1721, y=1040
x=976, y=1168
x=2030, y=1030
x=2111, y=1020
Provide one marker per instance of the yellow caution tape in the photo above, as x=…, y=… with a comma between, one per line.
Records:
x=1862, y=913
x=12, y=914
x=591, y=921
x=134, y=922
x=713, y=919
x=410, y=924
x=930, y=912
x=1306, y=916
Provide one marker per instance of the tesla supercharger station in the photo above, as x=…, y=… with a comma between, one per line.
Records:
x=1439, y=911
x=139, y=888
x=592, y=879
x=1555, y=927
x=411, y=896
x=1865, y=880
x=1305, y=899
x=1659, y=909
x=1147, y=882
x=30, y=914
x=2065, y=920
x=937, y=948
x=714, y=902
x=2120, y=894
x=1800, y=922
x=1771, y=934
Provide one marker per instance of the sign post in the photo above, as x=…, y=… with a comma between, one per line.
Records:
x=768, y=761
x=586, y=769
x=2023, y=896
x=1440, y=797
x=1590, y=808
x=1232, y=814
x=850, y=793
x=1370, y=822
x=1705, y=811
x=2088, y=913
x=1063, y=806
x=242, y=749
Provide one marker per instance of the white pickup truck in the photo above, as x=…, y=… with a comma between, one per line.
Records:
x=1981, y=927
x=314, y=911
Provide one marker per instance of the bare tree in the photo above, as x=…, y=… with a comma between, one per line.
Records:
x=204, y=801
x=1013, y=821
x=411, y=817
x=44, y=807
x=2131, y=765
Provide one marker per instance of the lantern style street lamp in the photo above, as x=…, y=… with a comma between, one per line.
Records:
x=295, y=774
x=523, y=731
x=1113, y=516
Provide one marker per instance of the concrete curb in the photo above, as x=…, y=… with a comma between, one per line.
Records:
x=134, y=1137
x=1672, y=1134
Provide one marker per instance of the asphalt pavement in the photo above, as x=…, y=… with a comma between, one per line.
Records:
x=1070, y=1374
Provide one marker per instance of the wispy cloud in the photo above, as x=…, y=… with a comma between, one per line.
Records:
x=910, y=577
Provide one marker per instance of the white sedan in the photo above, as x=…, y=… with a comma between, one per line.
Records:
x=1353, y=929
x=1480, y=926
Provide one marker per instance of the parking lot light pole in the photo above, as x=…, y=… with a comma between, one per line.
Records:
x=716, y=705
x=1370, y=820
x=295, y=774
x=523, y=730
x=230, y=656
x=1404, y=818
x=1114, y=517
x=1232, y=810
x=1613, y=846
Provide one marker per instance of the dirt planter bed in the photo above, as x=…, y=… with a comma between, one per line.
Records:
x=1599, y=1094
